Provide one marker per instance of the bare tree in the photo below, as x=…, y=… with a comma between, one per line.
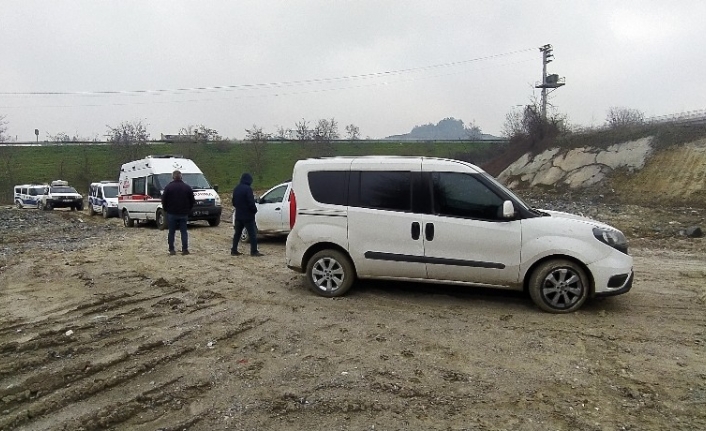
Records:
x=200, y=133
x=352, y=132
x=622, y=117
x=283, y=133
x=529, y=124
x=3, y=129
x=256, y=141
x=325, y=132
x=302, y=131
x=129, y=138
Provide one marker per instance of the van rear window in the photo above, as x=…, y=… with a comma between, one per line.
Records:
x=329, y=187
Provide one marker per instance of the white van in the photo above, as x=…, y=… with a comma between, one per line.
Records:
x=103, y=199
x=272, y=217
x=27, y=195
x=140, y=190
x=444, y=221
x=59, y=194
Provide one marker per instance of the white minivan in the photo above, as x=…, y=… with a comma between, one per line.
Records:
x=444, y=221
x=103, y=199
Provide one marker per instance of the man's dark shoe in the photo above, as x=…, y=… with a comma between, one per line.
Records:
x=185, y=252
x=235, y=253
x=256, y=254
x=172, y=252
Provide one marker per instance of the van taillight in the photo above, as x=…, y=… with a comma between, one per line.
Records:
x=292, y=209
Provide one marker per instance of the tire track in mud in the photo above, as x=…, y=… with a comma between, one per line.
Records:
x=77, y=367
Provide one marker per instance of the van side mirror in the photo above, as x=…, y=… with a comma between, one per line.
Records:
x=215, y=188
x=508, y=210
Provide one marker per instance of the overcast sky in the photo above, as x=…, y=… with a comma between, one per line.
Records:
x=384, y=66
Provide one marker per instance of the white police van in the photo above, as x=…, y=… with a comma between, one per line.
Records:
x=141, y=184
x=103, y=199
x=59, y=194
x=27, y=195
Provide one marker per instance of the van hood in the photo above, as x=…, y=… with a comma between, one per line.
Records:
x=579, y=218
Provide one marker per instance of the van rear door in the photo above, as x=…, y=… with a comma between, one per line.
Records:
x=384, y=232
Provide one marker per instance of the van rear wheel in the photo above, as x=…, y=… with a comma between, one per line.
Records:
x=559, y=286
x=330, y=273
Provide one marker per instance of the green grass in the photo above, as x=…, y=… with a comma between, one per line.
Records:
x=222, y=162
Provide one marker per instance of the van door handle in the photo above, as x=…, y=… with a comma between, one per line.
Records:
x=278, y=209
x=429, y=231
x=416, y=230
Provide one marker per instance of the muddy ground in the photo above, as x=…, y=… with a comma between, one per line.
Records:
x=101, y=329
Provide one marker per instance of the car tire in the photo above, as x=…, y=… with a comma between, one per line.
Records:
x=559, y=286
x=213, y=222
x=104, y=211
x=330, y=273
x=18, y=204
x=91, y=211
x=161, y=219
x=127, y=221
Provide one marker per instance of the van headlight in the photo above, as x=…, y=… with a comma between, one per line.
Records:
x=218, y=201
x=613, y=238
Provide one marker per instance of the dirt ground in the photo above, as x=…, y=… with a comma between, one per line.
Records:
x=102, y=330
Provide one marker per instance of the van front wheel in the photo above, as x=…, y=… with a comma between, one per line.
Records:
x=559, y=286
x=330, y=273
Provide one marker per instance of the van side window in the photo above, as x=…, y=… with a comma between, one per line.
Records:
x=138, y=186
x=153, y=186
x=329, y=187
x=463, y=195
x=386, y=190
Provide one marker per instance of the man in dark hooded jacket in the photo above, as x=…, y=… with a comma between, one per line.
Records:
x=245, y=209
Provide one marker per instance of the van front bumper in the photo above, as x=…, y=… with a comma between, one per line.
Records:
x=624, y=282
x=612, y=275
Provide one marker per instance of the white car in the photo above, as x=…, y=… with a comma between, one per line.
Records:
x=272, y=217
x=444, y=221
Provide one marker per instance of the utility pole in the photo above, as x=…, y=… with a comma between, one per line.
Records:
x=548, y=81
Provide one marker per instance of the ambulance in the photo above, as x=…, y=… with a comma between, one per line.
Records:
x=141, y=183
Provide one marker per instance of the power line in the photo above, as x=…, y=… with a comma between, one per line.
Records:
x=260, y=86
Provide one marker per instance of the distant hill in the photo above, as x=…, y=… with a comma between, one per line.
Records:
x=448, y=129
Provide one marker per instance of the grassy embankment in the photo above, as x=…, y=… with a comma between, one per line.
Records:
x=222, y=162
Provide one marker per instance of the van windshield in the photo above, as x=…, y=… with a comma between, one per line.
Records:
x=196, y=181
x=63, y=189
x=110, y=191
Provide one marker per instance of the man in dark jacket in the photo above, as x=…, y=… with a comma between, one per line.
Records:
x=177, y=201
x=245, y=209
